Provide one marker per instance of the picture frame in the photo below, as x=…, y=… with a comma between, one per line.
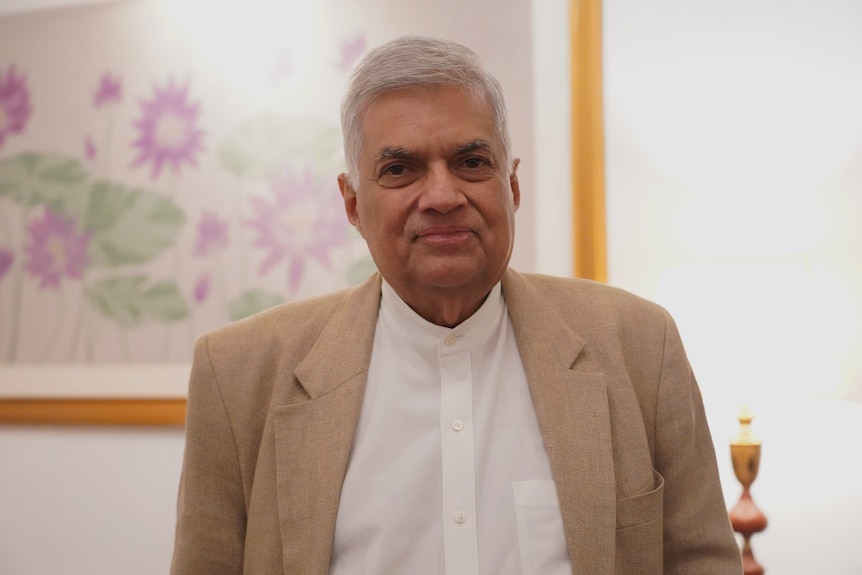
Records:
x=33, y=400
x=151, y=395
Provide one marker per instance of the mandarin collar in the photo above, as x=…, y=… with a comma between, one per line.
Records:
x=415, y=329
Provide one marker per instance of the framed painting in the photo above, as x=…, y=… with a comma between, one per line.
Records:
x=154, y=225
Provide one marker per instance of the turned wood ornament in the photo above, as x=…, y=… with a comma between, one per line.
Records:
x=745, y=517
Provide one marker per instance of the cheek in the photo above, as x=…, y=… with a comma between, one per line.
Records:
x=389, y=218
x=364, y=221
x=374, y=225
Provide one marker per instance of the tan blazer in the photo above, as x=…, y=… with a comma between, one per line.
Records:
x=274, y=401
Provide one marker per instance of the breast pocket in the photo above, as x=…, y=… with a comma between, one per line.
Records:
x=642, y=508
x=541, y=538
x=639, y=532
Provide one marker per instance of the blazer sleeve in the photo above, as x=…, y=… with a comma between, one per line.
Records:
x=211, y=517
x=698, y=538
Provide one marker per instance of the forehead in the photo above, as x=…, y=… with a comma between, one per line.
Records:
x=417, y=118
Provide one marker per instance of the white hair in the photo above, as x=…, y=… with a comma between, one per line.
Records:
x=417, y=62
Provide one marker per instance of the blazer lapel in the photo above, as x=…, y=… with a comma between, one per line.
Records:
x=570, y=397
x=313, y=438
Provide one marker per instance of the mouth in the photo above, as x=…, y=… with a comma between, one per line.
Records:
x=442, y=236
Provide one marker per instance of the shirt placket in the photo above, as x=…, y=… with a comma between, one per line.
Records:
x=460, y=537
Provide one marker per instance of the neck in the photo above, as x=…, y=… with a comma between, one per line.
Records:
x=449, y=315
x=447, y=310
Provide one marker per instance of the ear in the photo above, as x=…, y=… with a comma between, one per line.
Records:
x=514, y=184
x=348, y=194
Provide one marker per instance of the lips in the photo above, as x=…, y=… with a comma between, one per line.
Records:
x=445, y=235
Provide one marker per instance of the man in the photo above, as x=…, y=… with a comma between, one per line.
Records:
x=449, y=415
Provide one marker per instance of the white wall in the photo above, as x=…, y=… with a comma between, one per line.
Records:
x=87, y=501
x=734, y=189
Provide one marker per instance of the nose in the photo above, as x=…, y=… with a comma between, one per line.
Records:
x=441, y=191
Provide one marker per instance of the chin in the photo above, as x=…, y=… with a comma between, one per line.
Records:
x=454, y=278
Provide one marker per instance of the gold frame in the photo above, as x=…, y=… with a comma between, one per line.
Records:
x=588, y=141
x=125, y=412
x=588, y=217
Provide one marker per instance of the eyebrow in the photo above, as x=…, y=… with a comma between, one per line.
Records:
x=400, y=153
x=472, y=147
x=389, y=153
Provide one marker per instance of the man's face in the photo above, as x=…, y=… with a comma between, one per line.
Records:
x=434, y=202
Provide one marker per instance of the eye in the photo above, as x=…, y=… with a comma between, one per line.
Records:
x=396, y=175
x=394, y=170
x=475, y=162
x=474, y=168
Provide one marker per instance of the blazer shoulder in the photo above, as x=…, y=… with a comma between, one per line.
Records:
x=588, y=299
x=292, y=327
x=310, y=311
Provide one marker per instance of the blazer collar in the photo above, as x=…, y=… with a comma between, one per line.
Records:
x=343, y=348
x=313, y=438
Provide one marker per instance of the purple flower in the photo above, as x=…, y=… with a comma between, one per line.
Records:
x=212, y=234
x=55, y=249
x=305, y=219
x=14, y=104
x=351, y=50
x=89, y=148
x=168, y=131
x=110, y=91
x=202, y=287
x=6, y=259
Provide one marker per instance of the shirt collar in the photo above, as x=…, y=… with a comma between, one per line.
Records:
x=473, y=331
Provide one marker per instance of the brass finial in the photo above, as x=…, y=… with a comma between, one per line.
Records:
x=745, y=435
x=745, y=450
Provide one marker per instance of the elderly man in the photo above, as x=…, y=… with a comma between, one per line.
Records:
x=449, y=415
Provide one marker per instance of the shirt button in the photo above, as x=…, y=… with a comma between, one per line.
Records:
x=457, y=424
x=450, y=339
x=460, y=518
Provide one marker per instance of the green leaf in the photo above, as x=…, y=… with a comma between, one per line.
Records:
x=252, y=302
x=118, y=298
x=128, y=300
x=163, y=302
x=130, y=226
x=53, y=179
x=262, y=144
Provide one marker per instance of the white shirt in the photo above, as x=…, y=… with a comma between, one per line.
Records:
x=448, y=472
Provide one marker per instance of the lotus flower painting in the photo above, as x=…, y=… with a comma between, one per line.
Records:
x=168, y=131
x=110, y=91
x=14, y=104
x=55, y=249
x=6, y=257
x=212, y=234
x=146, y=197
x=303, y=219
